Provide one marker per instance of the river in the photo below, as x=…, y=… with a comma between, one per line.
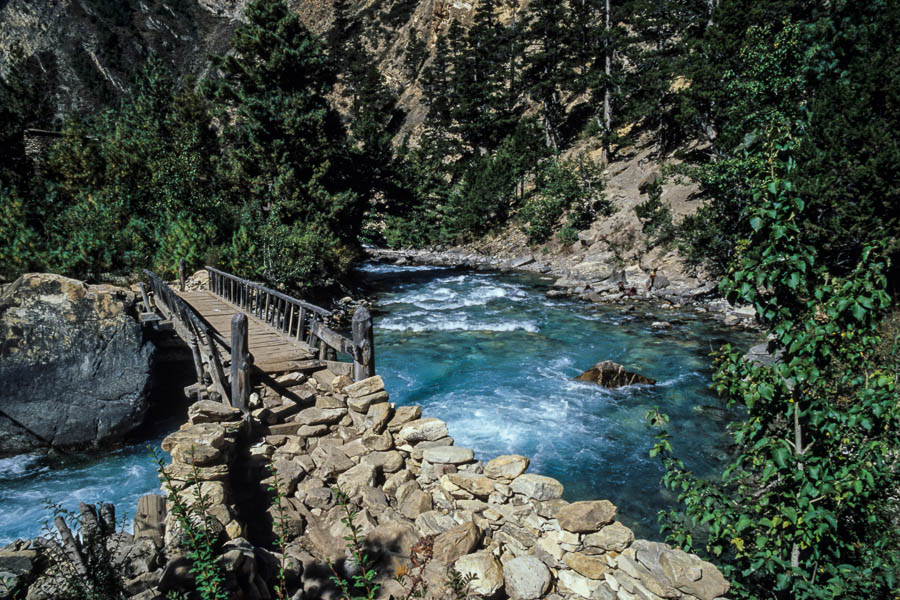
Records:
x=494, y=357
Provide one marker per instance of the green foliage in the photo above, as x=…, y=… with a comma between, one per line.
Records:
x=280, y=527
x=254, y=168
x=656, y=217
x=362, y=585
x=792, y=63
x=802, y=510
x=561, y=187
x=286, y=158
x=92, y=569
x=198, y=539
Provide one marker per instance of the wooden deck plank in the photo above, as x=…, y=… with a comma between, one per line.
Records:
x=269, y=346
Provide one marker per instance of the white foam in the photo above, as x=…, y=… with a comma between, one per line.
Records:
x=382, y=268
x=18, y=466
x=403, y=324
x=447, y=298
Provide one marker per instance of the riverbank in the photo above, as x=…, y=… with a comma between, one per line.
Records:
x=594, y=279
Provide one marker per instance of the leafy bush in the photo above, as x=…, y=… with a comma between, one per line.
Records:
x=82, y=550
x=807, y=508
x=570, y=187
x=656, y=217
x=197, y=538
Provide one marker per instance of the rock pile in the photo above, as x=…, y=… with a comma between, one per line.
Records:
x=508, y=530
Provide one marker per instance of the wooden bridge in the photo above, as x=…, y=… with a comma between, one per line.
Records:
x=239, y=329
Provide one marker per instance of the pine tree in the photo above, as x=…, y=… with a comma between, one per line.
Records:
x=287, y=155
x=545, y=73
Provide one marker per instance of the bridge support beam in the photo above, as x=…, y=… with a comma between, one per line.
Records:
x=363, y=345
x=241, y=360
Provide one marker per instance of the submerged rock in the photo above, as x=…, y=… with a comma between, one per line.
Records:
x=612, y=375
x=72, y=364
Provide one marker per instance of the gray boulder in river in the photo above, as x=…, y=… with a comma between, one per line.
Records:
x=612, y=375
x=73, y=370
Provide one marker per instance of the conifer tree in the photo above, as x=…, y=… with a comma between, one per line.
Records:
x=287, y=154
x=546, y=73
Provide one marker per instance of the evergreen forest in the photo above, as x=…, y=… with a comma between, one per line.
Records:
x=784, y=114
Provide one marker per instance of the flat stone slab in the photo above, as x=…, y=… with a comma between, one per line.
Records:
x=537, y=487
x=449, y=455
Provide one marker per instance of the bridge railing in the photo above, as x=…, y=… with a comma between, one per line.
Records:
x=205, y=342
x=300, y=320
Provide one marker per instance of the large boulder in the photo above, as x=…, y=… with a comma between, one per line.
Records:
x=612, y=375
x=73, y=368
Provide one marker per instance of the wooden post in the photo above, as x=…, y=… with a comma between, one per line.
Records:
x=147, y=307
x=240, y=363
x=215, y=369
x=363, y=344
x=181, y=274
x=198, y=365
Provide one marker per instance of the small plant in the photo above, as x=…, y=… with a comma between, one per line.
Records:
x=196, y=525
x=280, y=528
x=361, y=585
x=459, y=583
x=419, y=556
x=8, y=588
x=82, y=551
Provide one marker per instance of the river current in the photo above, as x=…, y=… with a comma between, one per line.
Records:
x=494, y=357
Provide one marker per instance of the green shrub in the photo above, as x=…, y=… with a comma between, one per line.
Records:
x=656, y=217
x=573, y=187
x=82, y=551
x=198, y=539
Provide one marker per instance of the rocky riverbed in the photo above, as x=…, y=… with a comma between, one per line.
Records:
x=593, y=278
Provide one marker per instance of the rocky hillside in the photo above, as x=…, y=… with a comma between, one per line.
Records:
x=89, y=49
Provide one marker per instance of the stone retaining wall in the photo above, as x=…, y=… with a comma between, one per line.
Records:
x=509, y=528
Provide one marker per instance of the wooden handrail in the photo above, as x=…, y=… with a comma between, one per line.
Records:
x=194, y=329
x=258, y=286
x=300, y=320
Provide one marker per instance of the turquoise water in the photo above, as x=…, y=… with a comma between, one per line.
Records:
x=28, y=481
x=495, y=358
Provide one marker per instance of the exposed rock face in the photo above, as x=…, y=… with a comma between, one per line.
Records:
x=612, y=375
x=72, y=366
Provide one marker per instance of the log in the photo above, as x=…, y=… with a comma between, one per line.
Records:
x=108, y=518
x=70, y=545
x=364, y=345
x=147, y=307
x=215, y=369
x=90, y=523
x=241, y=360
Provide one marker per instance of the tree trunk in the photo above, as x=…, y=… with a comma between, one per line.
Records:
x=607, y=108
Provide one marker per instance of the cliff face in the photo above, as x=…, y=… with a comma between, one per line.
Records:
x=89, y=49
